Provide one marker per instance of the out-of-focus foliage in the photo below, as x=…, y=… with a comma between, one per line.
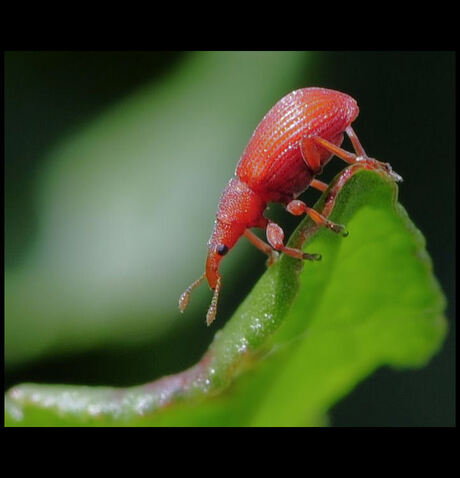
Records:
x=300, y=341
x=126, y=204
x=106, y=223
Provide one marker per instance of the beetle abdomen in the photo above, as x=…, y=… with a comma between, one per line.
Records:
x=272, y=163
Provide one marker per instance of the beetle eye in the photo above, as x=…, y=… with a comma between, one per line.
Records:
x=222, y=249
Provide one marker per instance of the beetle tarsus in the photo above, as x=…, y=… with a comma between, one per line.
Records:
x=338, y=229
x=311, y=257
x=272, y=258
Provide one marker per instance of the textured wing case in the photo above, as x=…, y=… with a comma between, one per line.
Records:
x=272, y=163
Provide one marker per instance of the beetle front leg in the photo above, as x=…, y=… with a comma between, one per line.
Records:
x=275, y=237
x=262, y=246
x=297, y=208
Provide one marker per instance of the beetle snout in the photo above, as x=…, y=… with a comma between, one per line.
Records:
x=212, y=268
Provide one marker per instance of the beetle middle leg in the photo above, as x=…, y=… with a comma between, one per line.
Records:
x=275, y=237
x=319, y=185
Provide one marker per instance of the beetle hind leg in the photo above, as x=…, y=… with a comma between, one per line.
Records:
x=309, y=147
x=355, y=142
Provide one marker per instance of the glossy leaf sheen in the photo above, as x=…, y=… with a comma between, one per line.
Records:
x=302, y=339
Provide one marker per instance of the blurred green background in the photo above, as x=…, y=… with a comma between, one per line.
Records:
x=114, y=162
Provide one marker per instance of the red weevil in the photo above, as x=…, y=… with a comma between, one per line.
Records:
x=289, y=147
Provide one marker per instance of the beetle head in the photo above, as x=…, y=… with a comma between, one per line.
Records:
x=223, y=238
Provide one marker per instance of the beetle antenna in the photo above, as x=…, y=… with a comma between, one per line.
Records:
x=184, y=299
x=212, y=311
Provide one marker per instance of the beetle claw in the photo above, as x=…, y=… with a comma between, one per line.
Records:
x=273, y=258
x=311, y=257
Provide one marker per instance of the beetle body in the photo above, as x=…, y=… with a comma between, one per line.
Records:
x=289, y=147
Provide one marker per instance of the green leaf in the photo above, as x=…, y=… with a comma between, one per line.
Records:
x=302, y=339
